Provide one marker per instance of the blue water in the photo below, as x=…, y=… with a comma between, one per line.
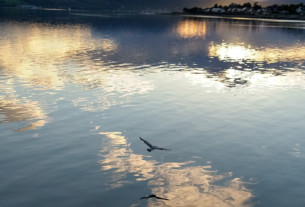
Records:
x=77, y=90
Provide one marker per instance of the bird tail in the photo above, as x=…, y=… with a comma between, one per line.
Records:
x=149, y=150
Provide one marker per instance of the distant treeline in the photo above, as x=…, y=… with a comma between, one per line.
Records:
x=249, y=8
x=198, y=10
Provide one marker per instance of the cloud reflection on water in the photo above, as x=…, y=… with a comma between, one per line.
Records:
x=184, y=184
x=245, y=52
x=36, y=52
x=249, y=81
x=35, y=56
x=116, y=88
x=12, y=110
x=51, y=57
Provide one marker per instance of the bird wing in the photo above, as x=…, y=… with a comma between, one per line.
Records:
x=146, y=197
x=161, y=198
x=146, y=142
x=161, y=148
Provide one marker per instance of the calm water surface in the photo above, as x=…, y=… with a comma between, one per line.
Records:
x=77, y=91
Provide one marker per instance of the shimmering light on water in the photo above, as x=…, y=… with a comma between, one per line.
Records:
x=77, y=91
x=192, y=28
x=239, y=52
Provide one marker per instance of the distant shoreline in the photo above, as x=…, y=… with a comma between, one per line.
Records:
x=255, y=17
x=270, y=17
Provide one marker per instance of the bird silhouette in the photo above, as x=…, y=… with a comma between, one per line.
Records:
x=152, y=147
x=152, y=196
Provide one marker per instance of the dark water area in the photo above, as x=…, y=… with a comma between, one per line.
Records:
x=77, y=89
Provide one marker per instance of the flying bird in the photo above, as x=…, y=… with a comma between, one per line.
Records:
x=152, y=147
x=152, y=196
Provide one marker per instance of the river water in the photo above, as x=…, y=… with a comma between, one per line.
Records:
x=78, y=89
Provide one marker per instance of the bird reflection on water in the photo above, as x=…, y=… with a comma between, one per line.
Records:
x=152, y=196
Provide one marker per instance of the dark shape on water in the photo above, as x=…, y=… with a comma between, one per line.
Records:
x=152, y=196
x=152, y=147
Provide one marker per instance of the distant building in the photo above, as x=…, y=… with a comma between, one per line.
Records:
x=284, y=12
x=27, y=6
x=218, y=10
x=300, y=10
x=236, y=10
x=247, y=10
x=264, y=11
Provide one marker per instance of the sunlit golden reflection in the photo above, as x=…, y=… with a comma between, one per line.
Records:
x=183, y=184
x=12, y=110
x=251, y=81
x=190, y=28
x=109, y=45
x=37, y=55
x=238, y=52
x=232, y=52
x=34, y=54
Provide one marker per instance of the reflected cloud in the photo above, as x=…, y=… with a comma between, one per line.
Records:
x=191, y=28
x=118, y=156
x=36, y=53
x=184, y=184
x=39, y=55
x=242, y=52
x=12, y=110
x=249, y=80
x=52, y=57
x=113, y=88
x=47, y=56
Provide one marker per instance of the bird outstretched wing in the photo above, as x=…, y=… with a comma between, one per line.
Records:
x=146, y=142
x=161, y=148
x=161, y=198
